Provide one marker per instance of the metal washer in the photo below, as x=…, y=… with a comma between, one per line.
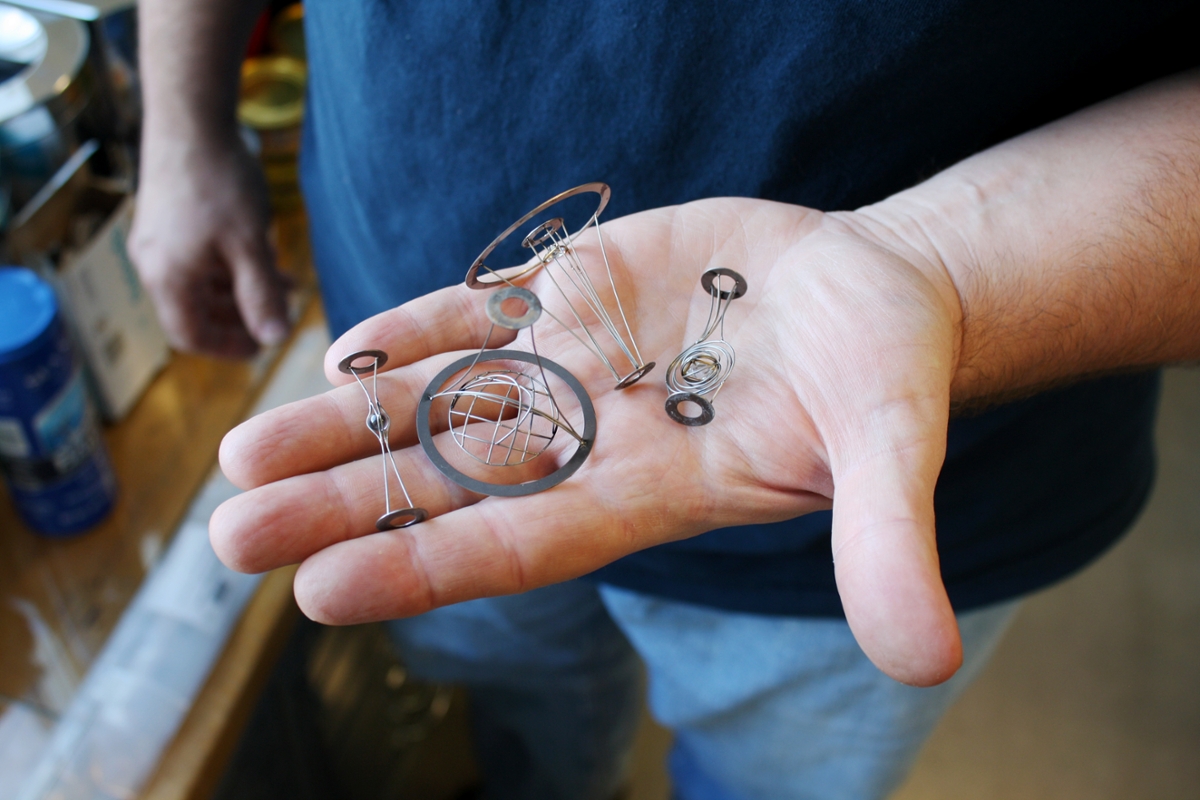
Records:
x=495, y=307
x=707, y=412
x=739, y=283
x=346, y=365
x=401, y=518
x=635, y=376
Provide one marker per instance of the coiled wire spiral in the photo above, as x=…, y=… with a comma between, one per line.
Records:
x=697, y=374
x=701, y=368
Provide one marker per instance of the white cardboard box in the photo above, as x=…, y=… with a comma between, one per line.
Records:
x=112, y=315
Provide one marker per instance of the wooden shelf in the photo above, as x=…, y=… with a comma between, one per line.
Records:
x=62, y=598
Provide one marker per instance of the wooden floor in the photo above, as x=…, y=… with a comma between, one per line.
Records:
x=1095, y=692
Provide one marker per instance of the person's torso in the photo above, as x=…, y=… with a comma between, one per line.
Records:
x=430, y=126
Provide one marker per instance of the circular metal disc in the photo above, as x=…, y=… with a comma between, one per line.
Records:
x=477, y=281
x=378, y=359
x=636, y=375
x=425, y=432
x=495, y=308
x=707, y=412
x=707, y=280
x=401, y=518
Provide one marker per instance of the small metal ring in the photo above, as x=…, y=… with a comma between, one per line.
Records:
x=542, y=233
x=476, y=281
x=346, y=365
x=739, y=285
x=707, y=412
x=635, y=376
x=425, y=431
x=496, y=314
x=401, y=518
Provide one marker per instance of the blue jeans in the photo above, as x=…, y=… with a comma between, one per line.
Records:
x=761, y=707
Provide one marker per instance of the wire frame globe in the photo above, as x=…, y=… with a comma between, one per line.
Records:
x=503, y=417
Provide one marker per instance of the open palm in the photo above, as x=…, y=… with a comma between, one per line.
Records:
x=846, y=349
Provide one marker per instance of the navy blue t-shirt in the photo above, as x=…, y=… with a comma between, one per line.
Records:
x=432, y=125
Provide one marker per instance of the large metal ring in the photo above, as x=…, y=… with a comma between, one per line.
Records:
x=346, y=365
x=476, y=281
x=707, y=412
x=495, y=308
x=739, y=283
x=425, y=432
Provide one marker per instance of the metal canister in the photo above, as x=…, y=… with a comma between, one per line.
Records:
x=51, y=453
x=46, y=87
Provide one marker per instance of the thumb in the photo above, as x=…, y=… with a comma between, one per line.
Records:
x=260, y=290
x=885, y=549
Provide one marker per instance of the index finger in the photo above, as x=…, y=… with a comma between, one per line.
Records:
x=498, y=546
x=443, y=321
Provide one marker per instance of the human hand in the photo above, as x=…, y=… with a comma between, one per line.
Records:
x=199, y=241
x=846, y=343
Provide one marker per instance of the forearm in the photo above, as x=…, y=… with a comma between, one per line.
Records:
x=1074, y=249
x=191, y=56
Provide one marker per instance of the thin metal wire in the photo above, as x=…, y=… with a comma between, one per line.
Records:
x=515, y=396
x=702, y=368
x=553, y=244
x=380, y=424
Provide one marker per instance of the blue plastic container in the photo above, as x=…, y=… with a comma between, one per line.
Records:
x=51, y=453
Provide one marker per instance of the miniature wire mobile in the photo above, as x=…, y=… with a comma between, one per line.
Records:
x=380, y=424
x=553, y=245
x=506, y=416
x=699, y=372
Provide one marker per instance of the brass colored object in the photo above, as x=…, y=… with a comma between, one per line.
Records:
x=272, y=94
x=272, y=105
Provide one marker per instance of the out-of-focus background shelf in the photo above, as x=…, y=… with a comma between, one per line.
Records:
x=62, y=598
x=193, y=764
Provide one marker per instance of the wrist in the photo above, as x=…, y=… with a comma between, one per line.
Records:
x=178, y=129
x=179, y=152
x=961, y=224
x=906, y=230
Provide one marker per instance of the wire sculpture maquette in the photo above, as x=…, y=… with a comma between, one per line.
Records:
x=380, y=424
x=698, y=373
x=509, y=415
x=554, y=248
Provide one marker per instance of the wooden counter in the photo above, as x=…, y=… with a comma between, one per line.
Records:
x=62, y=598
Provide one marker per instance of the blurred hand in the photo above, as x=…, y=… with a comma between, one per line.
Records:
x=199, y=241
x=846, y=345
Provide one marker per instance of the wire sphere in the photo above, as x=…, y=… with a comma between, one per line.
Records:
x=494, y=418
x=520, y=432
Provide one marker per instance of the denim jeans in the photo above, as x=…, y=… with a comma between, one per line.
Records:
x=761, y=707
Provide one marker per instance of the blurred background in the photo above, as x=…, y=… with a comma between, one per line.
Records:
x=134, y=665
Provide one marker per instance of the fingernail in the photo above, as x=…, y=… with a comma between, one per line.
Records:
x=273, y=332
